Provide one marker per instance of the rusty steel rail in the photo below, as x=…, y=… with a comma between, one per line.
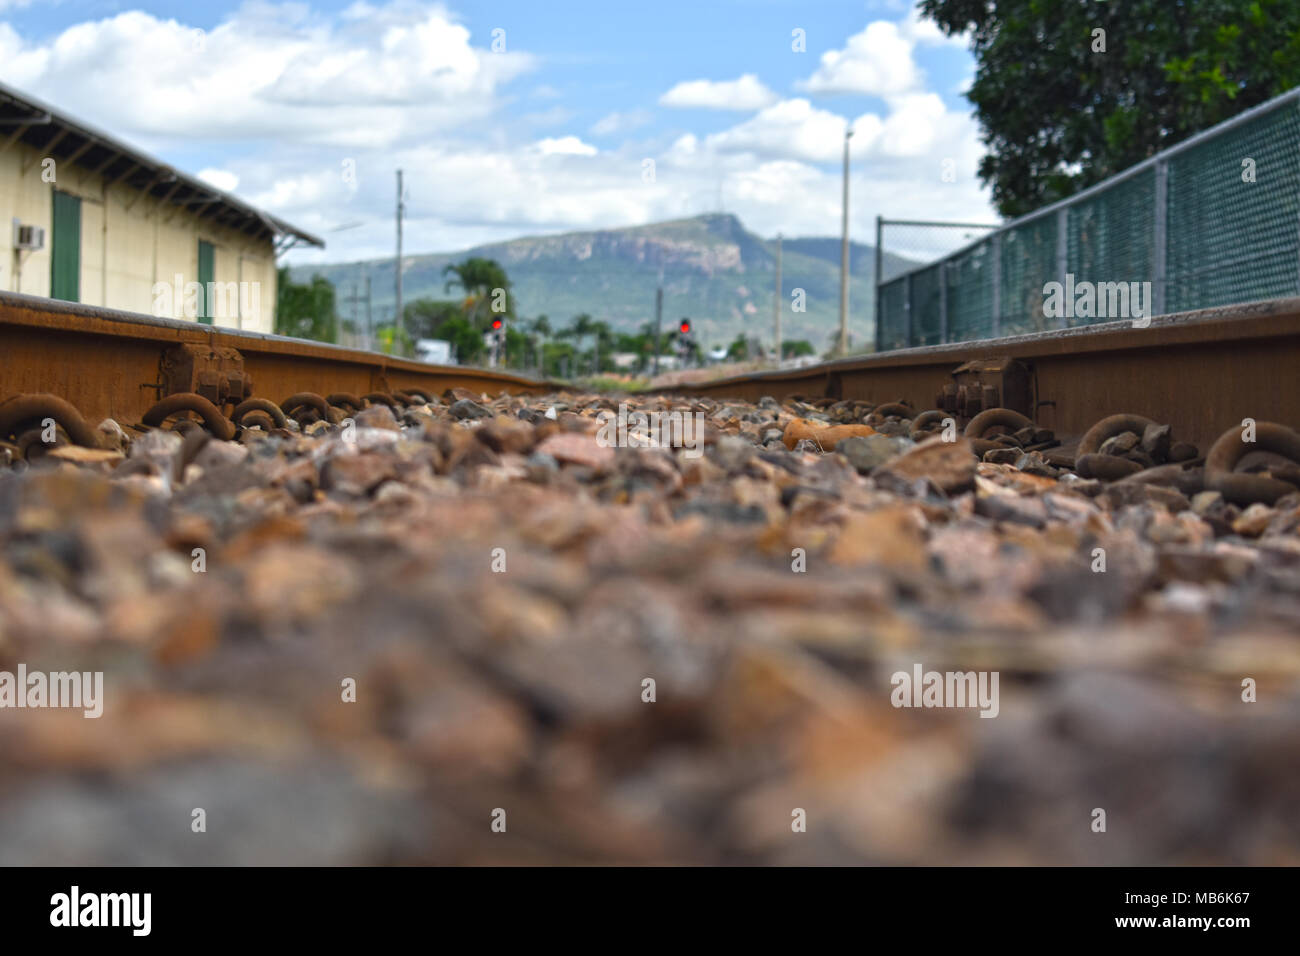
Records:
x=1202, y=372
x=112, y=364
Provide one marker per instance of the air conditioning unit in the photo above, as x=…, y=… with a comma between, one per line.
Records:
x=28, y=237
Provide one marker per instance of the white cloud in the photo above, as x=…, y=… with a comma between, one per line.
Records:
x=876, y=62
x=222, y=179
x=370, y=76
x=565, y=146
x=746, y=93
x=791, y=129
x=795, y=129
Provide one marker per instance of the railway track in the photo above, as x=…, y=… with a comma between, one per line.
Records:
x=104, y=363
x=548, y=626
x=1201, y=372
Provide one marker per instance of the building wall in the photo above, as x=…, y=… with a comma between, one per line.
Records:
x=129, y=243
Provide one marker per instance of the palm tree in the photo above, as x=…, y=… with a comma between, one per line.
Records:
x=479, y=279
x=578, y=329
x=541, y=328
x=538, y=329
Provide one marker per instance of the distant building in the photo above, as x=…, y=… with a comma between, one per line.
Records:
x=436, y=351
x=85, y=218
x=625, y=360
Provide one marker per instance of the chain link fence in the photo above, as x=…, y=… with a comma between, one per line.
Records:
x=1212, y=221
x=902, y=246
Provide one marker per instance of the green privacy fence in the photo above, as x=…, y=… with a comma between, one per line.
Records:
x=1212, y=221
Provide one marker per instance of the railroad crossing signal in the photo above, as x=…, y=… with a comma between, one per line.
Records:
x=685, y=344
x=496, y=339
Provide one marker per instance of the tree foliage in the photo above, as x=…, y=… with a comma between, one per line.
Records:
x=305, y=311
x=480, y=279
x=425, y=318
x=1059, y=115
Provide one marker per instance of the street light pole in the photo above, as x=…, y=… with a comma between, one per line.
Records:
x=776, y=307
x=844, y=253
x=401, y=209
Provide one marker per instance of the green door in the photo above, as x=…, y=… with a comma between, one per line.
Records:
x=207, y=274
x=65, y=248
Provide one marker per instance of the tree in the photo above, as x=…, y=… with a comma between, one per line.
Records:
x=466, y=340
x=424, y=318
x=305, y=311
x=604, y=336
x=1063, y=106
x=793, y=348
x=480, y=279
x=557, y=359
x=539, y=329
x=578, y=329
x=518, y=344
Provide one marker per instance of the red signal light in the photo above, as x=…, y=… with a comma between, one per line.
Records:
x=496, y=324
x=686, y=327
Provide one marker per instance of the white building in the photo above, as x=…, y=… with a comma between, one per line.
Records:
x=98, y=222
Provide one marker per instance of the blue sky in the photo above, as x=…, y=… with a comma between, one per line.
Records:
x=307, y=108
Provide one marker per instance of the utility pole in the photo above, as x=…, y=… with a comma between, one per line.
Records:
x=401, y=209
x=370, y=334
x=659, y=314
x=844, y=253
x=776, y=301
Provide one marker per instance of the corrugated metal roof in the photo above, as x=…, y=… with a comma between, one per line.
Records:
x=26, y=120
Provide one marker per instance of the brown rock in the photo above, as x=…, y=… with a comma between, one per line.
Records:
x=1252, y=522
x=577, y=449
x=823, y=435
x=503, y=434
x=950, y=465
x=376, y=416
x=892, y=536
x=356, y=474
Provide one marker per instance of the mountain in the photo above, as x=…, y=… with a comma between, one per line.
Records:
x=715, y=271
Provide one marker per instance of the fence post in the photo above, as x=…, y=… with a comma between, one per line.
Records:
x=943, y=301
x=908, y=344
x=997, y=284
x=1062, y=256
x=879, y=263
x=1161, y=238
